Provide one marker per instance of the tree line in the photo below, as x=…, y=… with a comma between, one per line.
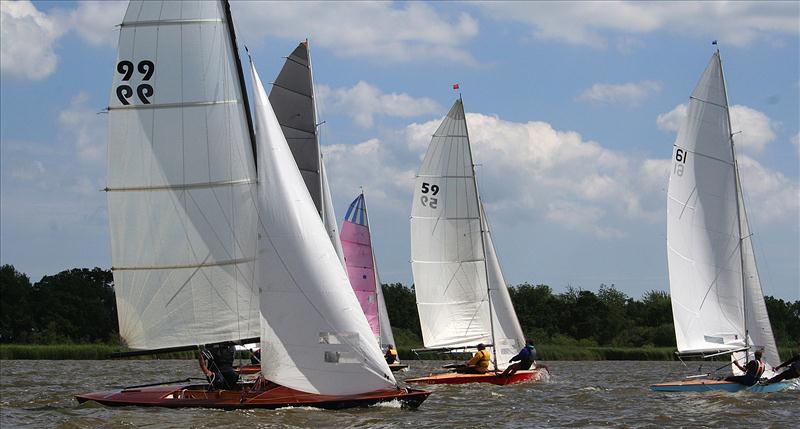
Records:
x=78, y=306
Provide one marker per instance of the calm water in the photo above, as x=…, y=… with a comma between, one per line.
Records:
x=580, y=394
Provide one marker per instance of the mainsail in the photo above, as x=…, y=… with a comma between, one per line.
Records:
x=461, y=295
x=717, y=302
x=362, y=271
x=181, y=179
x=315, y=337
x=294, y=103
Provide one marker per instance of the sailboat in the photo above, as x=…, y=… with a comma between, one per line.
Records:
x=462, y=297
x=362, y=270
x=215, y=237
x=717, y=302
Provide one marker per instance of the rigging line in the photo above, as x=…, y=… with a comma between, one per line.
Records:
x=165, y=22
x=686, y=204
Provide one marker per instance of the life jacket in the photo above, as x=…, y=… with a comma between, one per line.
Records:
x=391, y=352
x=761, y=367
x=484, y=359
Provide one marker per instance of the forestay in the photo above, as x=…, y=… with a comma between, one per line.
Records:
x=705, y=220
x=447, y=250
x=315, y=337
x=181, y=180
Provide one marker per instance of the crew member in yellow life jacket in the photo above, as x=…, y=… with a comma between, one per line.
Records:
x=391, y=355
x=479, y=364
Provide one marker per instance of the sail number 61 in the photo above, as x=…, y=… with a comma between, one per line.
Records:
x=680, y=160
x=429, y=201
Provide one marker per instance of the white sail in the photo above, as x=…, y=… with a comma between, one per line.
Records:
x=181, y=179
x=387, y=336
x=716, y=294
x=759, y=328
x=508, y=336
x=315, y=338
x=447, y=249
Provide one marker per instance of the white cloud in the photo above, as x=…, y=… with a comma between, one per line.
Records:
x=632, y=93
x=771, y=196
x=754, y=130
x=80, y=123
x=27, y=41
x=363, y=102
x=96, y=21
x=590, y=23
x=376, y=31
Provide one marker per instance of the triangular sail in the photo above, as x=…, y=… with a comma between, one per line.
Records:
x=447, y=247
x=716, y=293
x=360, y=264
x=292, y=97
x=181, y=179
x=315, y=337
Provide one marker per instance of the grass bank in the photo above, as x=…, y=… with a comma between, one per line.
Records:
x=546, y=352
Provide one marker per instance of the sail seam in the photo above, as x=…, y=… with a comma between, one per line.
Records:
x=171, y=22
x=183, y=187
x=175, y=267
x=445, y=218
x=293, y=91
x=444, y=176
x=172, y=105
x=458, y=261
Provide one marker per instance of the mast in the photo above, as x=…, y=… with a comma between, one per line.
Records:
x=316, y=132
x=737, y=191
x=483, y=240
x=240, y=75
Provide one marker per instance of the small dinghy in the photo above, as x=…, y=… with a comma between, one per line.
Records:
x=215, y=238
x=398, y=367
x=717, y=301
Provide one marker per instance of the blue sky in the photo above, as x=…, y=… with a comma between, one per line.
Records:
x=572, y=109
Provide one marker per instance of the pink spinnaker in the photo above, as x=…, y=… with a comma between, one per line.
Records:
x=359, y=261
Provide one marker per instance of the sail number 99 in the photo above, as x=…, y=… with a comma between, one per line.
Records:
x=429, y=200
x=124, y=92
x=680, y=160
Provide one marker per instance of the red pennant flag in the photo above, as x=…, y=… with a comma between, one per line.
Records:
x=455, y=86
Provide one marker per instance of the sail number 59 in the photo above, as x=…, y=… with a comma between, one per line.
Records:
x=680, y=160
x=144, y=90
x=429, y=200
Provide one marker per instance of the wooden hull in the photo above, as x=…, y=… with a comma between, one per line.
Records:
x=710, y=385
x=196, y=396
x=397, y=367
x=248, y=369
x=490, y=377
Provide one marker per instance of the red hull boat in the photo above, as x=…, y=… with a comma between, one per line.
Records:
x=198, y=396
x=489, y=377
x=249, y=369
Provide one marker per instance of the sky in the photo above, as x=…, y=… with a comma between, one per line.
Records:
x=572, y=111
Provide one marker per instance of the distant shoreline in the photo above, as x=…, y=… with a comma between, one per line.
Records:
x=547, y=352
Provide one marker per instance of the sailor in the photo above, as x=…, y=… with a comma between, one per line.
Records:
x=391, y=355
x=793, y=370
x=479, y=364
x=526, y=358
x=216, y=362
x=255, y=356
x=752, y=371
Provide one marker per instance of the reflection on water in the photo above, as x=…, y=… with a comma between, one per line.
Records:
x=597, y=394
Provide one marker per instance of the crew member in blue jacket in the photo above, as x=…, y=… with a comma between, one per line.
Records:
x=526, y=358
